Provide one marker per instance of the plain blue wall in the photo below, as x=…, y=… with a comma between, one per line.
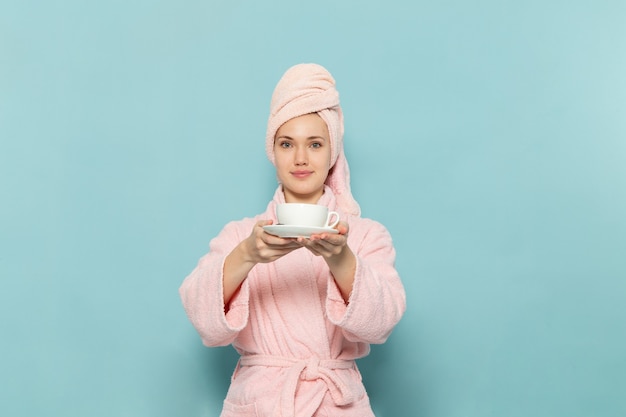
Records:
x=488, y=136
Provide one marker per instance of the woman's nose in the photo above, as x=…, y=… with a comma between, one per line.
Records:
x=301, y=156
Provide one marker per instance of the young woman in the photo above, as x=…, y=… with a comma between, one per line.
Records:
x=299, y=310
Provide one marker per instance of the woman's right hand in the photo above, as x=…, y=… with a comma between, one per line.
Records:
x=262, y=247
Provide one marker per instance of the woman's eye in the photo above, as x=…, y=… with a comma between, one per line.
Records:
x=285, y=144
x=316, y=145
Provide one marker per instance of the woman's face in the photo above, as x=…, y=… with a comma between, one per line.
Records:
x=302, y=157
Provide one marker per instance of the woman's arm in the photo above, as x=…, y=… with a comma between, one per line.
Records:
x=377, y=301
x=259, y=247
x=339, y=257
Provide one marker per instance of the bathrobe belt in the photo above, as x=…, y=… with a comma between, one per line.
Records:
x=310, y=369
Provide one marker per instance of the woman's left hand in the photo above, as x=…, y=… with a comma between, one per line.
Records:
x=327, y=245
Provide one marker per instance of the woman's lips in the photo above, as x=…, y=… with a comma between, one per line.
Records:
x=301, y=174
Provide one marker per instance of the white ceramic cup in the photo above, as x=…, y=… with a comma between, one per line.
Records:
x=309, y=215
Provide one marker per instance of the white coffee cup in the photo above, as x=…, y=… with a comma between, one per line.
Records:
x=309, y=215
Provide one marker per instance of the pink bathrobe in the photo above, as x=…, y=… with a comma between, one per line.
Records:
x=297, y=337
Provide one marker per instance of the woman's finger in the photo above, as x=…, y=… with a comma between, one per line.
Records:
x=342, y=228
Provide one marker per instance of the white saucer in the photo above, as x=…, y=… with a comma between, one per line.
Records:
x=286, y=230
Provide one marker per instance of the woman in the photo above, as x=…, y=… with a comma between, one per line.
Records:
x=299, y=310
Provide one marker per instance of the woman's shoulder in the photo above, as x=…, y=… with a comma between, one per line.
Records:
x=365, y=221
x=366, y=235
x=365, y=225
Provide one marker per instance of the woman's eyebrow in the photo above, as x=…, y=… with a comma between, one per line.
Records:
x=309, y=138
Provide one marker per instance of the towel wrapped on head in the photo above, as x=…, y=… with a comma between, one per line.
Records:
x=310, y=88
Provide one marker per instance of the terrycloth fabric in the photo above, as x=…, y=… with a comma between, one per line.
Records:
x=310, y=88
x=311, y=369
x=297, y=337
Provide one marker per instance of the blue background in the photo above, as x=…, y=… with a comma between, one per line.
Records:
x=488, y=136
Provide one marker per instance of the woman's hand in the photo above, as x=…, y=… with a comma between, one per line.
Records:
x=261, y=247
x=326, y=244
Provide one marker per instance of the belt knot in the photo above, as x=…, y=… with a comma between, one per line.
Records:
x=311, y=370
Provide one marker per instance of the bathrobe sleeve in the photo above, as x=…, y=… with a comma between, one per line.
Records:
x=202, y=291
x=378, y=300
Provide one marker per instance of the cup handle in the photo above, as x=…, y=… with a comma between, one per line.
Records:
x=330, y=225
